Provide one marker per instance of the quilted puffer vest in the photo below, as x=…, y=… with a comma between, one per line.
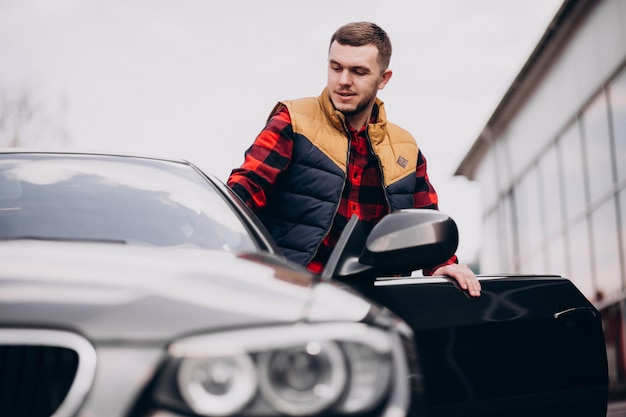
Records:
x=301, y=207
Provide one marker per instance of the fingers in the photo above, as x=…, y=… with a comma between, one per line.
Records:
x=463, y=276
x=467, y=280
x=473, y=286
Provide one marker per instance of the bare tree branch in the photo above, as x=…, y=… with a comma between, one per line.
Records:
x=27, y=119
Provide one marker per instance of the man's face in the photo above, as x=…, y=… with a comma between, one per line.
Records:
x=354, y=78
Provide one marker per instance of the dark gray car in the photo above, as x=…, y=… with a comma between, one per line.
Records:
x=143, y=287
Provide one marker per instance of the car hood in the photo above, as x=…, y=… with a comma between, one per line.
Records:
x=113, y=292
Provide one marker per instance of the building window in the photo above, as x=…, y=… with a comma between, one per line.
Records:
x=491, y=256
x=533, y=262
x=580, y=258
x=552, y=207
x=622, y=214
x=606, y=249
x=597, y=148
x=570, y=152
x=527, y=211
x=556, y=257
x=617, y=98
x=508, y=235
x=503, y=163
x=489, y=180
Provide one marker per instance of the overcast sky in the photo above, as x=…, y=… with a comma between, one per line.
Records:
x=196, y=79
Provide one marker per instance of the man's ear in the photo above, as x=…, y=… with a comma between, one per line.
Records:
x=384, y=79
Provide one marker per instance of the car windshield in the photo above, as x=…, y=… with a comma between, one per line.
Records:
x=114, y=199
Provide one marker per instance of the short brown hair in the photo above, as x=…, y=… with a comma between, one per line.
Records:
x=365, y=33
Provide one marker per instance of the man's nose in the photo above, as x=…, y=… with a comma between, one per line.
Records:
x=345, y=77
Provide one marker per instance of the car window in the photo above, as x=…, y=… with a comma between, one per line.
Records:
x=117, y=199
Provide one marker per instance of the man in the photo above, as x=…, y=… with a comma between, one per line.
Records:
x=320, y=160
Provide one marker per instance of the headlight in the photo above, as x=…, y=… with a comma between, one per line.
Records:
x=303, y=379
x=301, y=370
x=218, y=385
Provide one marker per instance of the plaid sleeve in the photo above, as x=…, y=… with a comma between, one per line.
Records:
x=426, y=197
x=267, y=157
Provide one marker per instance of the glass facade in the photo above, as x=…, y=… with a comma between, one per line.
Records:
x=569, y=149
x=617, y=104
x=566, y=213
x=597, y=148
x=553, y=178
x=606, y=256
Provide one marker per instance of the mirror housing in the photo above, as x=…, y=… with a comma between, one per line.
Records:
x=402, y=242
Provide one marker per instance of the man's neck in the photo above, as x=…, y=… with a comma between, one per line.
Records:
x=357, y=121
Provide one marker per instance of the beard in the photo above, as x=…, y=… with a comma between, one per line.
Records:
x=359, y=107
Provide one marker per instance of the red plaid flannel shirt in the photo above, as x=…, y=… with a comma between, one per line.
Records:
x=363, y=193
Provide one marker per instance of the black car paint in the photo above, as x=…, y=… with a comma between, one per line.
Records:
x=528, y=346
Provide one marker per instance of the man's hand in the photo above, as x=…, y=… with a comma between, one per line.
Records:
x=463, y=275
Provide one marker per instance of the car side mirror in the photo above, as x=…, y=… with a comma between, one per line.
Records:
x=402, y=242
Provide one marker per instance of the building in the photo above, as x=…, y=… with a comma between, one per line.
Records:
x=551, y=164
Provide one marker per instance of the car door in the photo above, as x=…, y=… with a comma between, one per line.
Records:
x=528, y=346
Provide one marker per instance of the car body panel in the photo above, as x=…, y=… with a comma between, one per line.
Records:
x=140, y=255
x=108, y=291
x=529, y=345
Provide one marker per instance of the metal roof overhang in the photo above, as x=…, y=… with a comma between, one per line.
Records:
x=566, y=19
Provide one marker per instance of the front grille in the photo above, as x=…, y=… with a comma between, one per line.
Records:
x=43, y=373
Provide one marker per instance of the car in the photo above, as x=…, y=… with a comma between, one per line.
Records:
x=138, y=286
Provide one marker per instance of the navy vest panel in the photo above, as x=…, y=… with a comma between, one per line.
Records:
x=400, y=193
x=303, y=202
